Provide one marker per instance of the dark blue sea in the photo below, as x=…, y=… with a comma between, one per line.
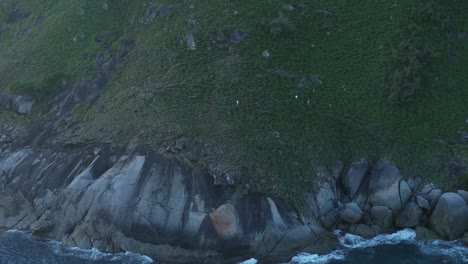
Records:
x=21, y=248
x=398, y=248
x=17, y=247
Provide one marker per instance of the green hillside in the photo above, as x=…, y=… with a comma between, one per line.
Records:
x=277, y=89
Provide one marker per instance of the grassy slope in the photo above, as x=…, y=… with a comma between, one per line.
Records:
x=347, y=117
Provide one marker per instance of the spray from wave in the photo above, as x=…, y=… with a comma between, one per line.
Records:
x=21, y=247
x=387, y=247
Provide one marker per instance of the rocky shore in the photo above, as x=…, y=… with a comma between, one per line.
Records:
x=146, y=202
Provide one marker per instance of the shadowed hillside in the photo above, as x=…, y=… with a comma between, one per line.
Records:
x=265, y=93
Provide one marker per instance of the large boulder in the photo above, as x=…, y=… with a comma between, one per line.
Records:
x=362, y=231
x=387, y=188
x=450, y=216
x=424, y=233
x=351, y=213
x=423, y=203
x=432, y=194
x=414, y=183
x=321, y=204
x=354, y=177
x=22, y=104
x=410, y=216
x=464, y=195
x=382, y=216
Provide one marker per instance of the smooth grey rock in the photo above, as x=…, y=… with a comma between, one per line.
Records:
x=351, y=213
x=383, y=176
x=22, y=104
x=105, y=6
x=450, y=216
x=428, y=188
x=190, y=42
x=321, y=204
x=382, y=216
x=386, y=187
x=25, y=104
x=266, y=54
x=414, y=183
x=433, y=196
x=354, y=177
x=318, y=238
x=464, y=195
x=362, y=231
x=423, y=203
x=326, y=198
x=148, y=204
x=424, y=233
x=396, y=196
x=409, y=216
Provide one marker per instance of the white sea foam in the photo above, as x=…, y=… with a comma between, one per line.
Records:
x=95, y=254
x=350, y=242
x=249, y=261
x=305, y=258
x=353, y=241
x=89, y=254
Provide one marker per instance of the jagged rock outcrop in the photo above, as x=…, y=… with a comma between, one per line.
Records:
x=21, y=104
x=410, y=216
x=387, y=188
x=351, y=213
x=141, y=201
x=450, y=216
x=354, y=177
x=382, y=216
x=146, y=203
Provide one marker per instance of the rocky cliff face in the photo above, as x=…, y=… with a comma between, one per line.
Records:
x=145, y=202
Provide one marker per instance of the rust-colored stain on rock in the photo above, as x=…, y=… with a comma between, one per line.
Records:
x=224, y=221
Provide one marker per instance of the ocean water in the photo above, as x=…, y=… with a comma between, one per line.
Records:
x=17, y=247
x=398, y=248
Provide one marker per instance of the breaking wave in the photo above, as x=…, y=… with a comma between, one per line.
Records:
x=398, y=247
x=18, y=247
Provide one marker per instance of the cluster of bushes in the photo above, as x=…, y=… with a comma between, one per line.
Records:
x=406, y=66
x=50, y=85
x=406, y=78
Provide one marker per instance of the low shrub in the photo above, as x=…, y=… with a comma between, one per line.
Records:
x=49, y=86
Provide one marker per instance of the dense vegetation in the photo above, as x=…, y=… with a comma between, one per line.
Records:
x=278, y=89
